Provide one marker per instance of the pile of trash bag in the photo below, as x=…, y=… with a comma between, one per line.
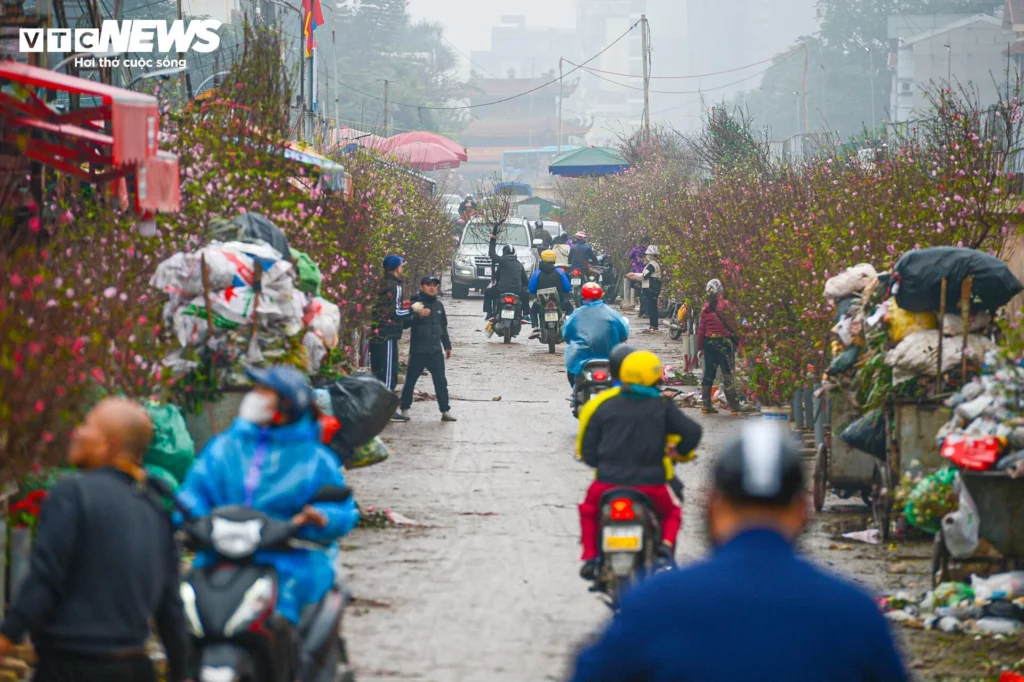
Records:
x=251, y=278
x=986, y=429
x=363, y=406
x=988, y=606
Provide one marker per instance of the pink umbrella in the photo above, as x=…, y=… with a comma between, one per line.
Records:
x=425, y=156
x=432, y=138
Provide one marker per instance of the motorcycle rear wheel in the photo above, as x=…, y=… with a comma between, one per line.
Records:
x=508, y=334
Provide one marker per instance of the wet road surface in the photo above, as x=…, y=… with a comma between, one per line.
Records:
x=488, y=590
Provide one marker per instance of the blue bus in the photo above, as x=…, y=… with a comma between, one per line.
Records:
x=530, y=166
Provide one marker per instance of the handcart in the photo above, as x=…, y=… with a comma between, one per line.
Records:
x=1000, y=502
x=837, y=466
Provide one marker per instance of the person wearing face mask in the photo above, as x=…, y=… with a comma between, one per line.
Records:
x=271, y=459
x=754, y=609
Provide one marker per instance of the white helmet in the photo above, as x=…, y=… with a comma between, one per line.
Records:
x=652, y=250
x=714, y=287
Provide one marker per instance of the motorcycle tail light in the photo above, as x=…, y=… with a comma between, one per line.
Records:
x=510, y=299
x=622, y=509
x=600, y=376
x=575, y=273
x=552, y=306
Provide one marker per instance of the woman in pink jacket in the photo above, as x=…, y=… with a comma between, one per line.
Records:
x=716, y=343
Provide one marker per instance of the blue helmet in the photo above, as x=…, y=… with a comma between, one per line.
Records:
x=290, y=384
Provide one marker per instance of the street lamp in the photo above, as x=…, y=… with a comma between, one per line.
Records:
x=219, y=73
x=797, y=95
x=302, y=59
x=159, y=73
x=949, y=66
x=334, y=57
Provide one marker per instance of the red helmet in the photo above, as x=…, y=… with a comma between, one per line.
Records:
x=592, y=291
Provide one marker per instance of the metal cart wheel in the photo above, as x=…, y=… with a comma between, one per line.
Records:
x=940, y=561
x=820, y=477
x=882, y=499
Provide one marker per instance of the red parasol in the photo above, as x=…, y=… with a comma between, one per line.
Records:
x=428, y=137
x=425, y=156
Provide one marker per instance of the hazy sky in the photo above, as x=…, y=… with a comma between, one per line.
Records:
x=468, y=22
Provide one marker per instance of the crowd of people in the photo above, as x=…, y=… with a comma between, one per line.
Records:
x=106, y=565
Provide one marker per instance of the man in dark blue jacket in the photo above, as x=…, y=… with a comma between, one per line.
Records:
x=754, y=610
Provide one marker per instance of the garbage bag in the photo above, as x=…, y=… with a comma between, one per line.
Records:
x=999, y=586
x=953, y=323
x=323, y=318
x=903, y=322
x=931, y=499
x=316, y=351
x=844, y=361
x=363, y=405
x=961, y=528
x=918, y=354
x=172, y=448
x=280, y=308
x=248, y=227
x=867, y=434
x=368, y=454
x=227, y=264
x=918, y=278
x=309, y=273
x=977, y=453
x=850, y=281
x=843, y=307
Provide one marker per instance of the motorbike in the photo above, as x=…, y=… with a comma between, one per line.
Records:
x=552, y=317
x=229, y=606
x=678, y=319
x=576, y=280
x=596, y=376
x=509, y=320
x=608, y=278
x=630, y=533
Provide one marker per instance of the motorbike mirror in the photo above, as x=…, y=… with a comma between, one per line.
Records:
x=332, y=493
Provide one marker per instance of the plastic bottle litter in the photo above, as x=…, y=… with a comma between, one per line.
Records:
x=959, y=612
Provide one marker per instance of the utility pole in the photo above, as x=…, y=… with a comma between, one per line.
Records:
x=184, y=90
x=386, y=82
x=560, y=98
x=645, y=47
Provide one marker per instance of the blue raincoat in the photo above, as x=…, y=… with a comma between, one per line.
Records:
x=592, y=332
x=276, y=471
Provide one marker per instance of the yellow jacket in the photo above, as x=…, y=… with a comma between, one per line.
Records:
x=587, y=411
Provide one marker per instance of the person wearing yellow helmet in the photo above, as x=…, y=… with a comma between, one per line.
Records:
x=547, y=276
x=624, y=440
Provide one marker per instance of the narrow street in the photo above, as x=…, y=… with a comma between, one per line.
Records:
x=488, y=590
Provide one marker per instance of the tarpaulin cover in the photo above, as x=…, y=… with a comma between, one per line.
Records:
x=920, y=275
x=249, y=226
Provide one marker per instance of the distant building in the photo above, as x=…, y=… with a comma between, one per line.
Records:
x=521, y=51
x=615, y=101
x=966, y=49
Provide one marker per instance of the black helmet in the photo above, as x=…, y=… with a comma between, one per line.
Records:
x=762, y=466
x=539, y=224
x=507, y=250
x=616, y=356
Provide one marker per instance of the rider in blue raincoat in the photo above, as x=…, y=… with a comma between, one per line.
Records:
x=592, y=331
x=271, y=460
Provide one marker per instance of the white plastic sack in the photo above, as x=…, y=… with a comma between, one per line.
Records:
x=323, y=318
x=960, y=528
x=315, y=351
x=953, y=323
x=842, y=330
x=876, y=317
x=917, y=354
x=851, y=281
x=233, y=307
x=999, y=586
x=229, y=265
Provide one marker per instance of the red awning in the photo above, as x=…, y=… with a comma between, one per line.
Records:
x=77, y=142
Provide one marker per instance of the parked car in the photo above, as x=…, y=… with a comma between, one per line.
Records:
x=472, y=268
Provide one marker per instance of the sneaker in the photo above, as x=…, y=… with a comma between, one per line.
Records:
x=402, y=416
x=666, y=558
x=535, y=334
x=708, y=410
x=588, y=571
x=447, y=417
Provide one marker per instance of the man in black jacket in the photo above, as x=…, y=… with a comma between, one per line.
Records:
x=389, y=315
x=542, y=234
x=509, y=277
x=104, y=563
x=429, y=347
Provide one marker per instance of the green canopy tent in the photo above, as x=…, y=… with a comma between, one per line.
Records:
x=588, y=161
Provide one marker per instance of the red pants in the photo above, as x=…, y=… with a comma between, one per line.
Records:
x=664, y=505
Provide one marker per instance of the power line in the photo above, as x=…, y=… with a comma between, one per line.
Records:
x=701, y=75
x=681, y=92
x=500, y=101
x=468, y=58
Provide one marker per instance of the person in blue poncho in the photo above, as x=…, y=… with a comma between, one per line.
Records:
x=592, y=331
x=271, y=460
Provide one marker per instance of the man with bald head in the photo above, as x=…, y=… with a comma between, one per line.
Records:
x=104, y=563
